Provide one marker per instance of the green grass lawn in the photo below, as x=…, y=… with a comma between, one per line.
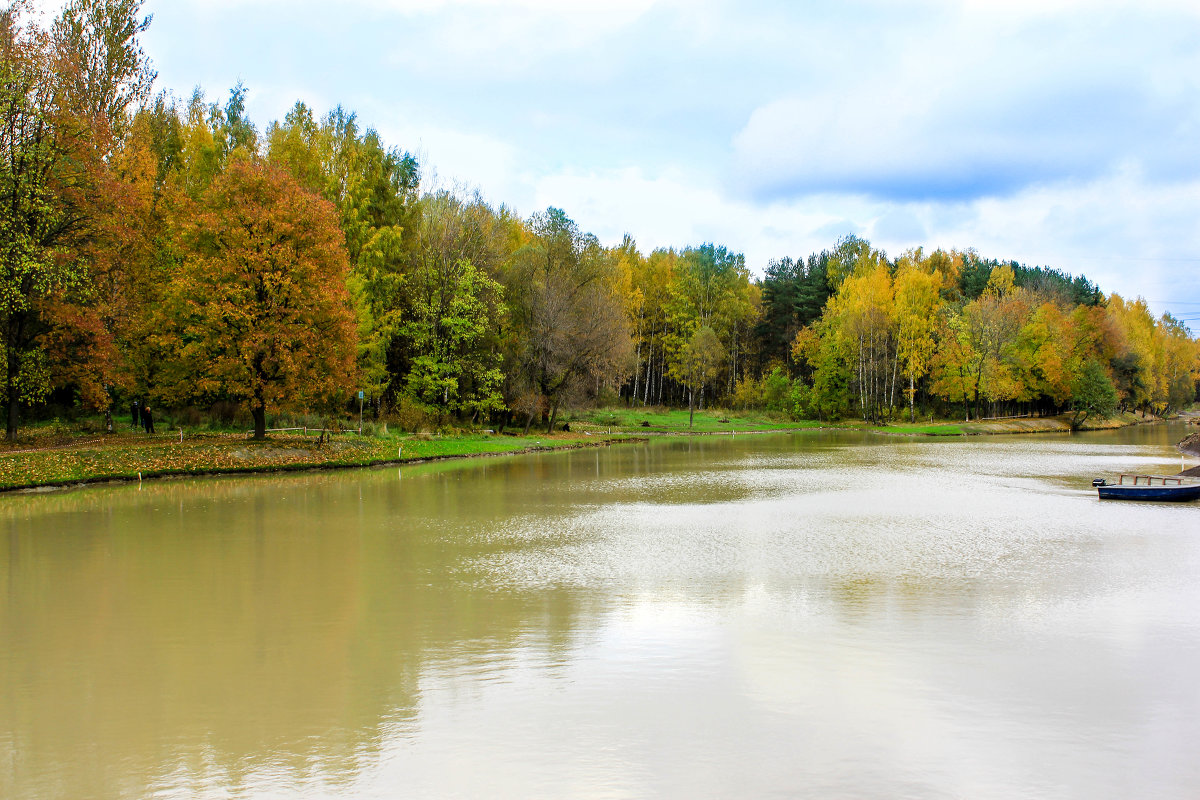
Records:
x=57, y=454
x=125, y=455
x=933, y=429
x=675, y=420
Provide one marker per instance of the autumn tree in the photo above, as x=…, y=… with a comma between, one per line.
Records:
x=453, y=308
x=712, y=289
x=95, y=341
x=862, y=310
x=1181, y=362
x=259, y=312
x=697, y=364
x=1092, y=392
x=93, y=344
x=828, y=354
x=375, y=190
x=982, y=364
x=62, y=95
x=652, y=280
x=573, y=325
x=1130, y=340
x=103, y=71
x=1052, y=347
x=917, y=304
x=852, y=255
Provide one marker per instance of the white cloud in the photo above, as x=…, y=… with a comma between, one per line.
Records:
x=1057, y=132
x=457, y=159
x=490, y=39
x=1130, y=235
x=676, y=209
x=1127, y=234
x=982, y=102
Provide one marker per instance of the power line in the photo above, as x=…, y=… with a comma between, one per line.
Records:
x=1135, y=258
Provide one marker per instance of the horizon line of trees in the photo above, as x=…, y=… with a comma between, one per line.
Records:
x=171, y=251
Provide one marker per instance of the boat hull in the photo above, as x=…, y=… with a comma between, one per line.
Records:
x=1171, y=494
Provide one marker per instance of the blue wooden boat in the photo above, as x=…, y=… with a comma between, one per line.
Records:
x=1147, y=487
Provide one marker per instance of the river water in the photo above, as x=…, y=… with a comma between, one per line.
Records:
x=818, y=614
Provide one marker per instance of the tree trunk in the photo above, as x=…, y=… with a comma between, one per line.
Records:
x=553, y=415
x=637, y=371
x=13, y=366
x=895, y=376
x=862, y=383
x=649, y=372
x=660, y=379
x=13, y=400
x=259, y=412
x=732, y=363
x=691, y=407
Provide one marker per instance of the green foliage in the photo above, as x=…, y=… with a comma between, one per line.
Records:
x=126, y=269
x=748, y=393
x=793, y=296
x=449, y=321
x=830, y=397
x=62, y=97
x=1092, y=392
x=412, y=416
x=568, y=315
x=777, y=390
x=800, y=401
x=259, y=310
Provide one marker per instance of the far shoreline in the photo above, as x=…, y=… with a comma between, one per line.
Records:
x=96, y=462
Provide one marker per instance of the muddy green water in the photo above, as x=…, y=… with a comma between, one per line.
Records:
x=806, y=615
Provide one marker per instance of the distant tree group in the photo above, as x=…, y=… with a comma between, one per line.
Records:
x=951, y=330
x=170, y=251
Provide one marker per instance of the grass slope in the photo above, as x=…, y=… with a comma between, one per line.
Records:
x=54, y=455
x=125, y=456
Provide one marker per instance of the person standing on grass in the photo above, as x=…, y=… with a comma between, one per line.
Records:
x=147, y=418
x=133, y=409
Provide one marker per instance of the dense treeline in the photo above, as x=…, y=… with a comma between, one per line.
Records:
x=172, y=251
x=951, y=331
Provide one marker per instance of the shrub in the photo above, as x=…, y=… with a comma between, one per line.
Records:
x=410, y=415
x=608, y=398
x=801, y=401
x=189, y=416
x=226, y=414
x=777, y=390
x=747, y=394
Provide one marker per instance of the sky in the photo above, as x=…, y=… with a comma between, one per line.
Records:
x=1060, y=133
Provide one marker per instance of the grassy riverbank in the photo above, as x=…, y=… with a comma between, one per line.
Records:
x=58, y=455
x=676, y=420
x=125, y=456
x=1060, y=424
x=659, y=420
x=55, y=454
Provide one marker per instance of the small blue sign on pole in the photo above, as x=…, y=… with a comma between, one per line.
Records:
x=360, y=394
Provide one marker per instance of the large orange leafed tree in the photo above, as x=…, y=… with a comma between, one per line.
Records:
x=259, y=311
